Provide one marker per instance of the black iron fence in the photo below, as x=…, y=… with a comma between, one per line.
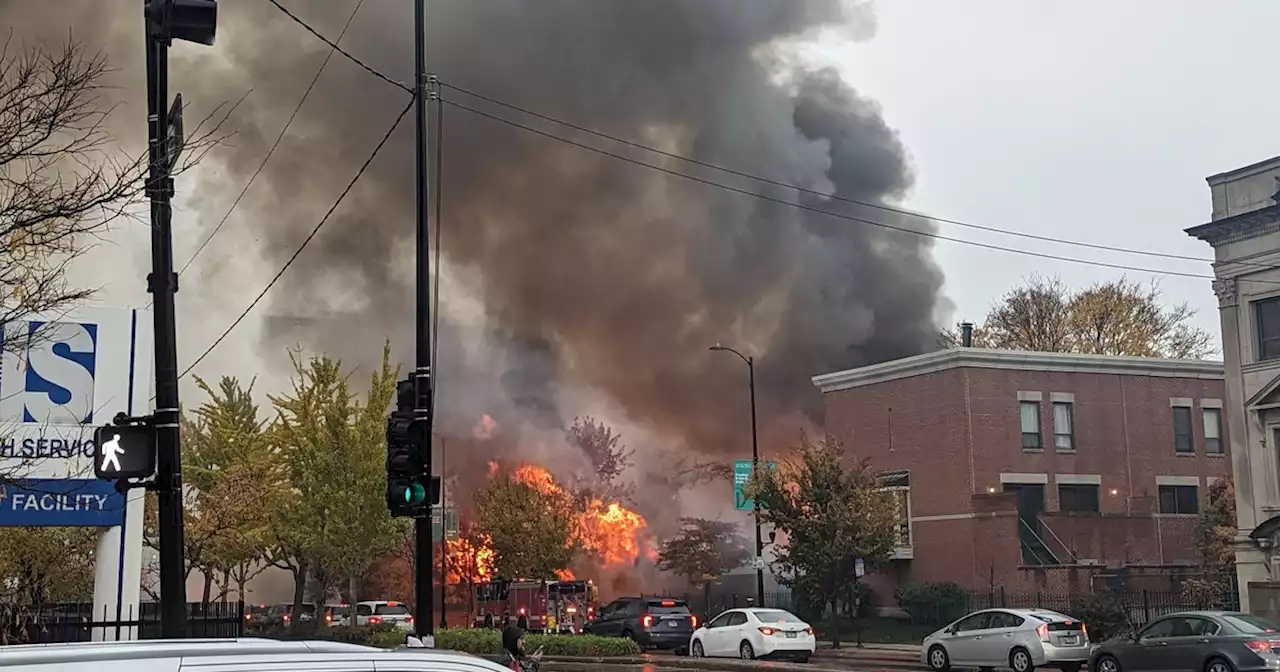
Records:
x=80, y=622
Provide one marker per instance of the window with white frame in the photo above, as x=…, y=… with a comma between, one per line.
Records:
x=1213, y=431
x=1030, y=418
x=1063, y=423
x=898, y=485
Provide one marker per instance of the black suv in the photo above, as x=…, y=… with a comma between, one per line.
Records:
x=651, y=622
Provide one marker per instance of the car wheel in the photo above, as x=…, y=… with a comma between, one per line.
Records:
x=1020, y=660
x=1108, y=664
x=696, y=650
x=1071, y=667
x=802, y=658
x=938, y=659
x=745, y=651
x=1218, y=665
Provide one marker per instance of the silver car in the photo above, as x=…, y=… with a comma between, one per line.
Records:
x=1022, y=639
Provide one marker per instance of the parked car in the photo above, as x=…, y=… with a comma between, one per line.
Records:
x=1212, y=641
x=1021, y=639
x=335, y=614
x=754, y=633
x=651, y=622
x=383, y=611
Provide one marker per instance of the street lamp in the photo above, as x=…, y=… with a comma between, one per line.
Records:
x=755, y=465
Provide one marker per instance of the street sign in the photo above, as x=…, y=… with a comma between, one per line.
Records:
x=859, y=568
x=174, y=133
x=758, y=564
x=742, y=474
x=450, y=522
x=124, y=451
x=60, y=502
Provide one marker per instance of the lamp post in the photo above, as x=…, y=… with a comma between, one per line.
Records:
x=755, y=465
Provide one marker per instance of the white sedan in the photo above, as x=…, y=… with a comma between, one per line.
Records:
x=754, y=633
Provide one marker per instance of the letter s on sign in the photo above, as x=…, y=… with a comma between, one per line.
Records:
x=57, y=378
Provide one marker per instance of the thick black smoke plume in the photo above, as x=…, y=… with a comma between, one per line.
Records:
x=594, y=274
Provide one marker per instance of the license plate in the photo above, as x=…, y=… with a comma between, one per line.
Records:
x=673, y=624
x=1070, y=641
x=791, y=635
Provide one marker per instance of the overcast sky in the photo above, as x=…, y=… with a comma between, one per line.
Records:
x=1093, y=121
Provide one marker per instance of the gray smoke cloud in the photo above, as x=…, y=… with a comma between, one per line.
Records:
x=594, y=274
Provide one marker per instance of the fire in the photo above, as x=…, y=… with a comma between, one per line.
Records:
x=486, y=428
x=469, y=563
x=565, y=575
x=609, y=530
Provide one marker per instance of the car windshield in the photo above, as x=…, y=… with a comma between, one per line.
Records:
x=390, y=610
x=667, y=607
x=1251, y=625
x=339, y=612
x=776, y=616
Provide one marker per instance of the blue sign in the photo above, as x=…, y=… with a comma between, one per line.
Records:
x=48, y=376
x=60, y=502
x=742, y=474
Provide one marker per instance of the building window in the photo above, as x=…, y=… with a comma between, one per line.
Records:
x=1063, y=439
x=1182, y=430
x=1179, y=499
x=1213, y=431
x=1081, y=498
x=898, y=485
x=1030, y=424
x=1266, y=315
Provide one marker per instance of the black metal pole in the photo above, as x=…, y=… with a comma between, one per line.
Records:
x=444, y=537
x=424, y=548
x=162, y=283
x=755, y=465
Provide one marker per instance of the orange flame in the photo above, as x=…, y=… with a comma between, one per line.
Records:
x=613, y=532
x=565, y=575
x=469, y=563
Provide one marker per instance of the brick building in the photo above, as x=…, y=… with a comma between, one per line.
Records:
x=1025, y=469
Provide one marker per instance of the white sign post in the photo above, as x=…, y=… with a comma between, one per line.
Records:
x=59, y=378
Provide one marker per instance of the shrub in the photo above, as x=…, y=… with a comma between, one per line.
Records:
x=383, y=635
x=932, y=603
x=1104, y=614
x=481, y=641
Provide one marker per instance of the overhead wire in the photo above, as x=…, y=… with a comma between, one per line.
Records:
x=334, y=45
x=829, y=213
x=279, y=138
x=814, y=192
x=303, y=245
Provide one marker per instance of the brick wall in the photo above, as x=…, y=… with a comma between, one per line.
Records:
x=956, y=431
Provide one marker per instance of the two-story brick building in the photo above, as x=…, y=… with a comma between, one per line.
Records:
x=1008, y=463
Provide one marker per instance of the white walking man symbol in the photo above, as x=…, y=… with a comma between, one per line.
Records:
x=111, y=452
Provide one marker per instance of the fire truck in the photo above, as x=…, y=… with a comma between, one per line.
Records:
x=546, y=606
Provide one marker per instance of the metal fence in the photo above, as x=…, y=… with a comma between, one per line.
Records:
x=78, y=622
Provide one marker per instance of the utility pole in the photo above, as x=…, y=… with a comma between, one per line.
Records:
x=755, y=468
x=193, y=21
x=424, y=547
x=444, y=535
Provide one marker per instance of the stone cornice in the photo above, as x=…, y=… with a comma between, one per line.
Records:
x=1240, y=227
x=983, y=358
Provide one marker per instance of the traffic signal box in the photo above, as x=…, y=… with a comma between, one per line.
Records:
x=410, y=494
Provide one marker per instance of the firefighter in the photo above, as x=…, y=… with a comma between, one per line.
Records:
x=488, y=620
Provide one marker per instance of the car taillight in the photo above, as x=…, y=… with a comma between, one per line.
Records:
x=808, y=631
x=328, y=618
x=1043, y=632
x=767, y=632
x=408, y=619
x=248, y=617
x=374, y=620
x=1259, y=646
x=1084, y=632
x=647, y=621
x=287, y=617
x=693, y=621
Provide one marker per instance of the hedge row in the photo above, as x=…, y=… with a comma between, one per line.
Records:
x=385, y=636
x=486, y=642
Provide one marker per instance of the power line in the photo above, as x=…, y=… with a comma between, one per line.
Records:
x=314, y=231
x=334, y=45
x=802, y=206
x=813, y=192
x=274, y=145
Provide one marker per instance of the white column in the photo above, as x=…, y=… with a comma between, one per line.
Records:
x=117, y=572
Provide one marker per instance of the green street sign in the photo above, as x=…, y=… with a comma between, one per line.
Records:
x=450, y=522
x=742, y=474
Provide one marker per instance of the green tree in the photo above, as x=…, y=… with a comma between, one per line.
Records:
x=1118, y=317
x=607, y=456
x=703, y=551
x=332, y=512
x=42, y=565
x=832, y=511
x=1215, y=528
x=530, y=529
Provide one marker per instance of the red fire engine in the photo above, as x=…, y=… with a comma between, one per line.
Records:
x=546, y=606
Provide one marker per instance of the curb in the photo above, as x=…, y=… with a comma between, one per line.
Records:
x=816, y=663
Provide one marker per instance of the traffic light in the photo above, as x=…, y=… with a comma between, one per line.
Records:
x=409, y=493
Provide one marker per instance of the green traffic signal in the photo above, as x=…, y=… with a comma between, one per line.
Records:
x=414, y=493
